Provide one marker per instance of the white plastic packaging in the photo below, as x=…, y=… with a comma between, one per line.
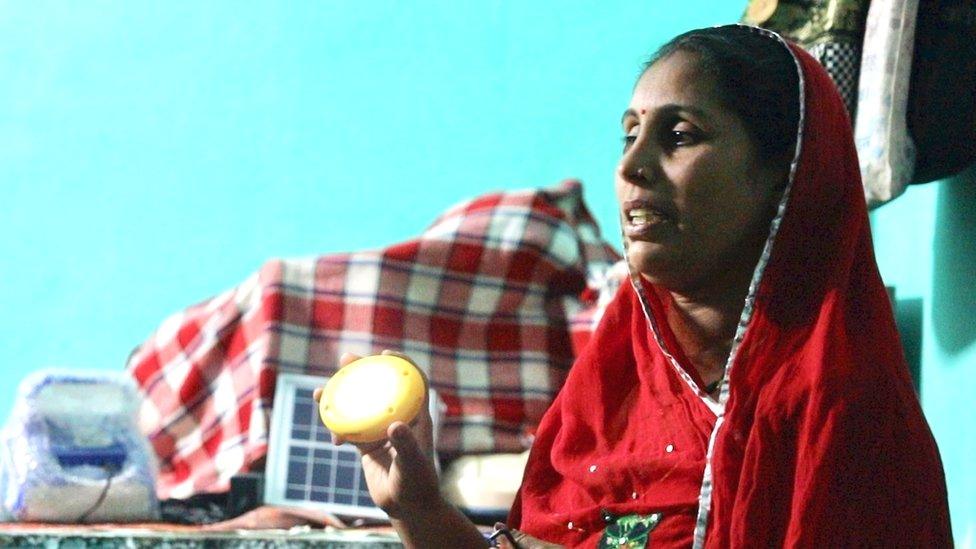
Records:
x=884, y=146
x=71, y=451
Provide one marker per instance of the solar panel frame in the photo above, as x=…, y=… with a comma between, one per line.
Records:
x=300, y=446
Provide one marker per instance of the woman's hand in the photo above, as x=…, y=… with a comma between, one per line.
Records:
x=400, y=471
x=524, y=541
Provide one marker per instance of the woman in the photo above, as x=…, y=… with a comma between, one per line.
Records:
x=691, y=419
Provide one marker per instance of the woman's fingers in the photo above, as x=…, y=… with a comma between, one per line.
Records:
x=370, y=447
x=363, y=447
x=398, y=354
x=406, y=444
x=414, y=467
x=504, y=543
x=390, y=352
x=317, y=394
x=526, y=541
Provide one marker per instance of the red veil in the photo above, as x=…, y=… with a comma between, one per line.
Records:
x=817, y=439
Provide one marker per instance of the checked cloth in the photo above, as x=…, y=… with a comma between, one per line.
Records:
x=492, y=301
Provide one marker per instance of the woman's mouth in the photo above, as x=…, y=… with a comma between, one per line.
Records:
x=644, y=222
x=644, y=216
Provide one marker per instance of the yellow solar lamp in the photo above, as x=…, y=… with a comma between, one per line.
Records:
x=364, y=397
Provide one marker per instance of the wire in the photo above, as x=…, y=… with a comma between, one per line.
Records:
x=110, y=473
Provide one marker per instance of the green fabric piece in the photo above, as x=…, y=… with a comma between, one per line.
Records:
x=630, y=532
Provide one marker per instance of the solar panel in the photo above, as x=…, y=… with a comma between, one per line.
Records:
x=304, y=468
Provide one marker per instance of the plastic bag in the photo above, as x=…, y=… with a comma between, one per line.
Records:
x=72, y=452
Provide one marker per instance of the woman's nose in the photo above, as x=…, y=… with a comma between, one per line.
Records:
x=636, y=166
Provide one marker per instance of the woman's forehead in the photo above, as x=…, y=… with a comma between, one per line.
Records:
x=677, y=79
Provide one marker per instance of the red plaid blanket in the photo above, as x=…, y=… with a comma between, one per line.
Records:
x=484, y=300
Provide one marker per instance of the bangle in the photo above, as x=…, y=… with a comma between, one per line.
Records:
x=502, y=531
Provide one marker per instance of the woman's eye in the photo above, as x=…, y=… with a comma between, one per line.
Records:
x=680, y=138
x=630, y=136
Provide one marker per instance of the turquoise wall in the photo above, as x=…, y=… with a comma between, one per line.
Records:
x=155, y=153
x=926, y=247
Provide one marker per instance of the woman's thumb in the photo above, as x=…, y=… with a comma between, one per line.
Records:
x=410, y=455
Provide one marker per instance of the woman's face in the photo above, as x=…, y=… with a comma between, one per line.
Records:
x=695, y=198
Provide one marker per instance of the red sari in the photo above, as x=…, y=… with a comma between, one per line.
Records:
x=817, y=439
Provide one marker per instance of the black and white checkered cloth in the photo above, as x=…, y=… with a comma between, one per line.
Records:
x=843, y=62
